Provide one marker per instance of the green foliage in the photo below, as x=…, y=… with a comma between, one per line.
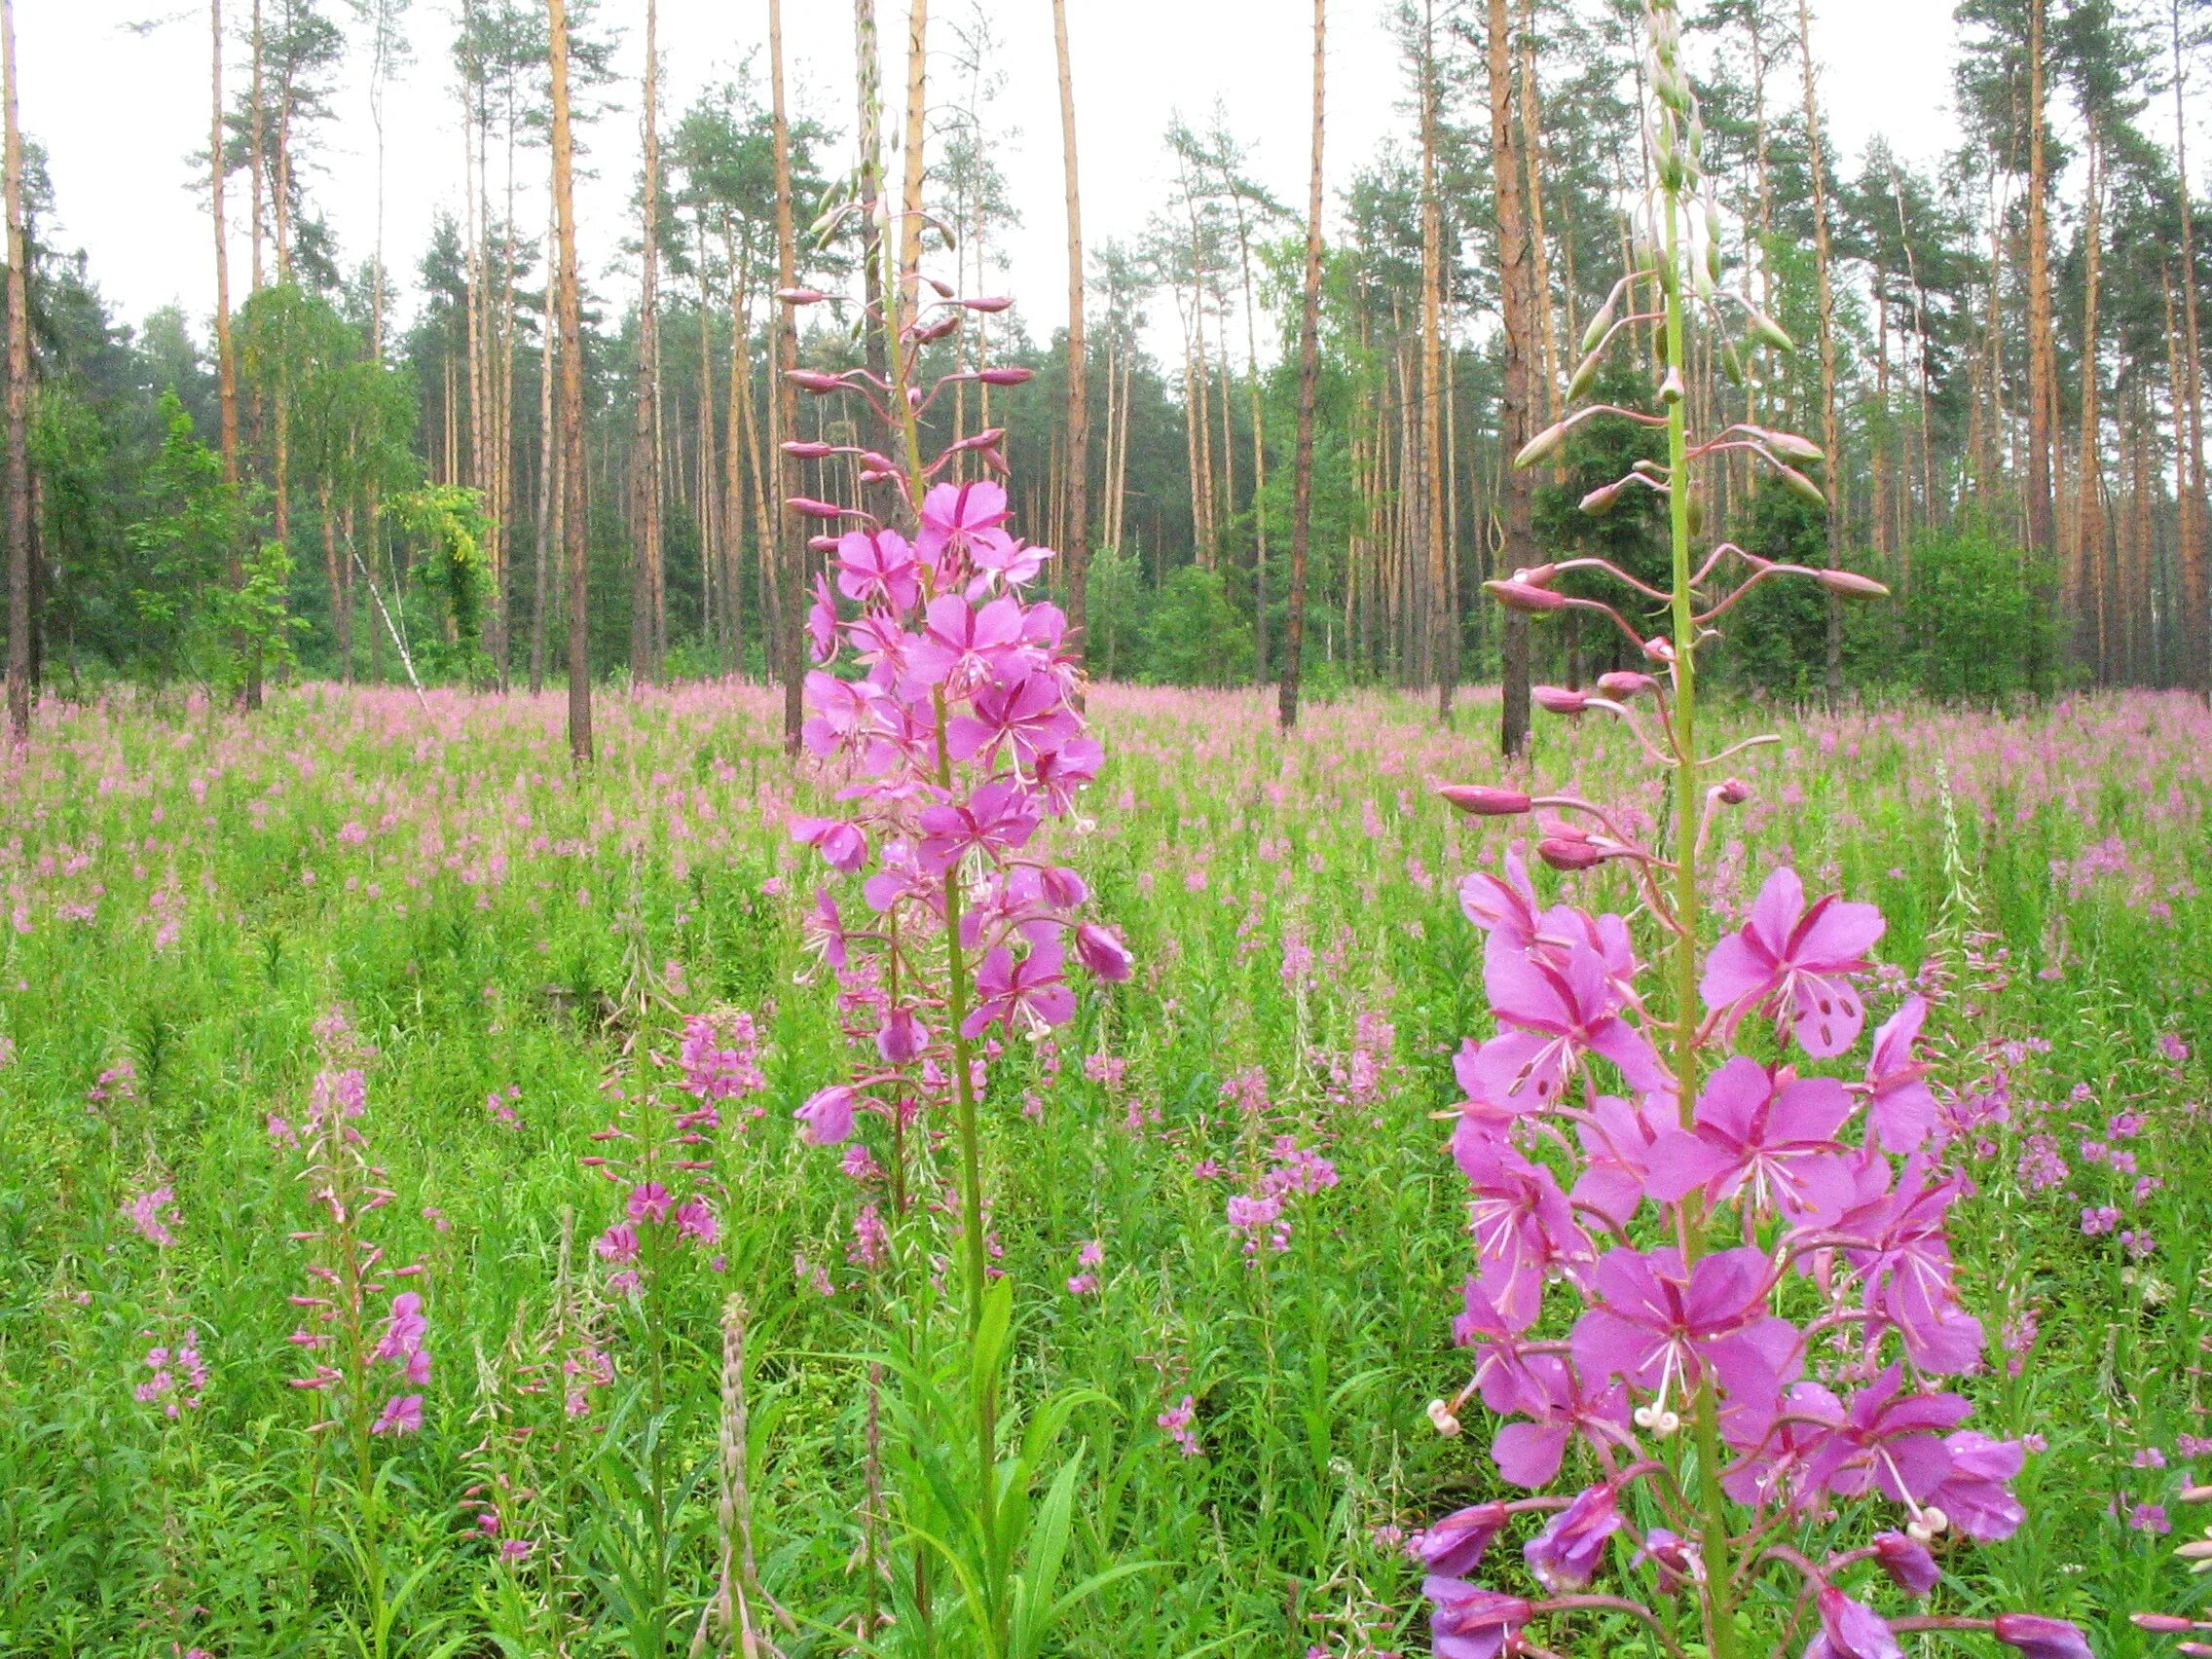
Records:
x=1969, y=615
x=1194, y=637
x=446, y=523
x=185, y=544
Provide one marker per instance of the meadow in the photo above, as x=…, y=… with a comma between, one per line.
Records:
x=209, y=922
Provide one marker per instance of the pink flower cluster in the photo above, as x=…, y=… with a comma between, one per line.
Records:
x=1710, y=1258
x=178, y=1377
x=951, y=720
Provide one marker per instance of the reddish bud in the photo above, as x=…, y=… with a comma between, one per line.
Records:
x=1733, y=791
x=988, y=438
x=814, y=381
x=1520, y=596
x=822, y=543
x=812, y=509
x=2160, y=1624
x=1623, y=683
x=800, y=296
x=1536, y=576
x=989, y=303
x=1563, y=854
x=1481, y=801
x=806, y=449
x=1602, y=498
x=1852, y=583
x=1558, y=700
x=949, y=323
x=1005, y=376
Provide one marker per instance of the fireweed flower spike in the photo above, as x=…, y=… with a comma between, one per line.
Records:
x=1665, y=1233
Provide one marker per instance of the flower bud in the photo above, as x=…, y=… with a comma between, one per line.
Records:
x=800, y=296
x=2160, y=1624
x=1102, y=951
x=1520, y=595
x=1601, y=500
x=1543, y=446
x=1803, y=487
x=901, y=1038
x=814, y=381
x=806, y=449
x=807, y=506
x=1803, y=451
x=989, y=303
x=1483, y=800
x=1440, y=1416
x=1623, y=684
x=1005, y=376
x=1767, y=332
x=1558, y=700
x=1567, y=855
x=1672, y=390
x=826, y=1117
x=1851, y=583
x=1585, y=376
x=1733, y=791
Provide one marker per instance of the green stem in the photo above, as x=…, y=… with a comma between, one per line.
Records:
x=1705, y=1416
x=958, y=986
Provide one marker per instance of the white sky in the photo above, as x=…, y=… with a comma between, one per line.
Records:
x=120, y=112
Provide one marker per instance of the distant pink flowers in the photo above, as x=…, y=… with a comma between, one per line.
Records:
x=178, y=1377
x=150, y=1212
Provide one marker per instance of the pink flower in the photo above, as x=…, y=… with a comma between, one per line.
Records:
x=960, y=518
x=877, y=568
x=649, y=1200
x=696, y=1221
x=1455, y=1545
x=999, y=818
x=1850, y=1630
x=1026, y=994
x=1032, y=717
x=1554, y=1016
x=826, y=1117
x=1176, y=1419
x=145, y=1213
x=964, y=648
x=1897, y=1100
x=2042, y=1638
x=1467, y=1622
x=1797, y=962
x=402, y=1415
x=1101, y=949
x=1661, y=1329
x=841, y=844
x=1774, y=1140
x=618, y=1244
x=1565, y=1554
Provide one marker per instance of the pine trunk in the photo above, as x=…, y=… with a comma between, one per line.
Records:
x=2042, y=366
x=20, y=618
x=1308, y=375
x=647, y=625
x=574, y=527
x=1444, y=651
x=1518, y=344
x=1076, y=548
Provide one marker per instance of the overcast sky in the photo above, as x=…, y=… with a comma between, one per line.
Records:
x=120, y=112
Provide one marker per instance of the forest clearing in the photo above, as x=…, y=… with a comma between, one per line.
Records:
x=1473, y=922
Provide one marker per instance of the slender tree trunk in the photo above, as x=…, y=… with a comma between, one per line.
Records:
x=2043, y=364
x=645, y=434
x=784, y=332
x=917, y=131
x=1824, y=280
x=20, y=619
x=1443, y=651
x=2091, y=632
x=1519, y=343
x=574, y=530
x=548, y=470
x=1308, y=374
x=2195, y=579
x=1533, y=149
x=1075, y=549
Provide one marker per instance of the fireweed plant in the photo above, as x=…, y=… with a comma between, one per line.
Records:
x=1761, y=1285
x=944, y=704
x=363, y=1329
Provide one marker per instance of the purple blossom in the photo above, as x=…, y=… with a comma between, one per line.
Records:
x=1798, y=963
x=1565, y=1554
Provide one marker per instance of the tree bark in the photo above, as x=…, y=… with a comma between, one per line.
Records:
x=1825, y=283
x=2043, y=365
x=2091, y=621
x=2195, y=582
x=548, y=470
x=20, y=618
x=647, y=627
x=1516, y=487
x=1077, y=548
x=574, y=527
x=1308, y=372
x=790, y=622
x=1444, y=624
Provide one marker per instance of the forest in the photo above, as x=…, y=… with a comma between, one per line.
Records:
x=355, y=471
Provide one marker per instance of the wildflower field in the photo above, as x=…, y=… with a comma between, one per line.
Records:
x=334, y=1319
